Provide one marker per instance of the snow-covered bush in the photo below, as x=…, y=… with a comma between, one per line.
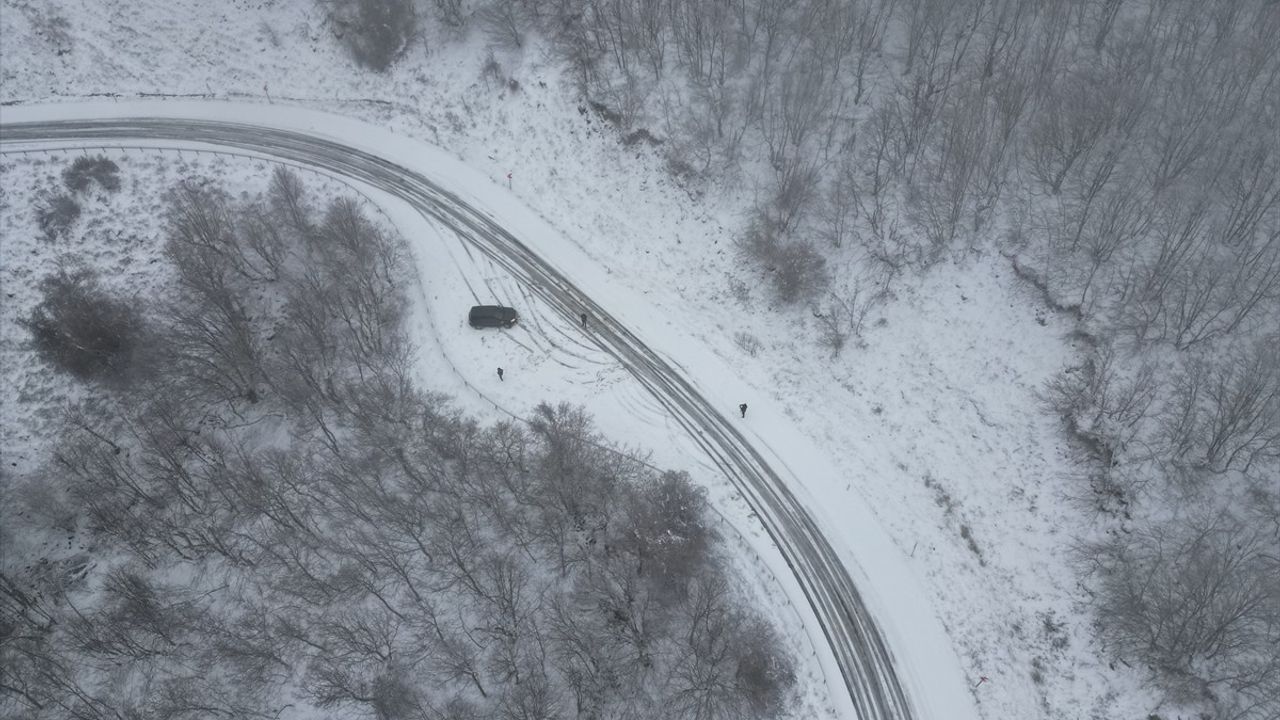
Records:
x=55, y=215
x=81, y=329
x=51, y=26
x=1198, y=600
x=86, y=170
x=665, y=528
x=375, y=32
x=764, y=675
x=796, y=270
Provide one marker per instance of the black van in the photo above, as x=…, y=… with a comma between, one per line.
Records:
x=492, y=316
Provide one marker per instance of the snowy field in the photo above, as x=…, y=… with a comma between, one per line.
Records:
x=924, y=452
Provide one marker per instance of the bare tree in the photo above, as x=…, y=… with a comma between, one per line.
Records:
x=573, y=494
x=945, y=198
x=873, y=17
x=1107, y=404
x=206, y=237
x=765, y=673
x=1193, y=598
x=1067, y=130
x=1121, y=220
x=138, y=621
x=503, y=23
x=589, y=665
x=1251, y=191
x=214, y=337
x=361, y=270
x=845, y=315
x=287, y=200
x=214, y=342
x=1177, y=240
x=704, y=41
x=1226, y=415
x=247, y=647
x=720, y=671
x=535, y=699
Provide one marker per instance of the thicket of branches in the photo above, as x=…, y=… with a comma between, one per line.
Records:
x=282, y=517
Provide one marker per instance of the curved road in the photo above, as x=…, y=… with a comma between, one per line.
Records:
x=865, y=662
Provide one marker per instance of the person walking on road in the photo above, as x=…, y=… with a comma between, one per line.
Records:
x=743, y=408
x=500, y=374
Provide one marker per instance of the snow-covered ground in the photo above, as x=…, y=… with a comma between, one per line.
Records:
x=924, y=453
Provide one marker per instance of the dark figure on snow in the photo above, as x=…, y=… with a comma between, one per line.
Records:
x=743, y=408
x=500, y=374
x=584, y=319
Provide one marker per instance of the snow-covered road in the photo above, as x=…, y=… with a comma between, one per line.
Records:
x=922, y=681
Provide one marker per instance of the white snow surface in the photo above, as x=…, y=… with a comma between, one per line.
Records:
x=923, y=453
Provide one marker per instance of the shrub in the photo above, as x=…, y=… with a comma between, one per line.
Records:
x=765, y=674
x=56, y=214
x=55, y=29
x=376, y=32
x=748, y=343
x=1194, y=599
x=86, y=170
x=796, y=270
x=844, y=317
x=81, y=329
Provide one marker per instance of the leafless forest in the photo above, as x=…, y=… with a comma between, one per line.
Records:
x=274, y=517
x=1123, y=155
